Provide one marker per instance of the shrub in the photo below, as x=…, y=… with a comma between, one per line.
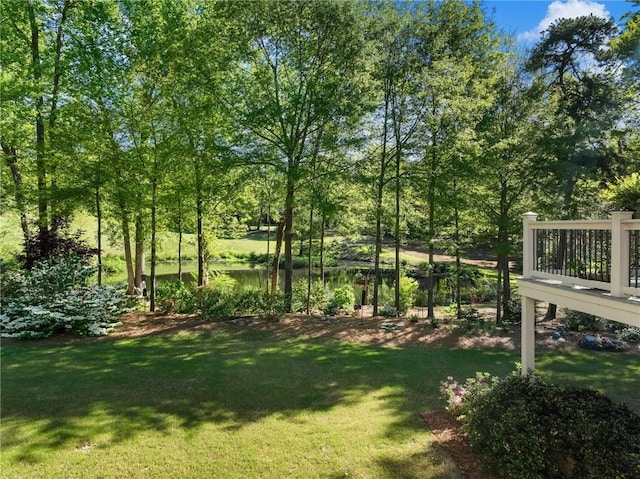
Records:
x=455, y=394
x=55, y=297
x=221, y=281
x=513, y=311
x=247, y=300
x=213, y=303
x=175, y=297
x=629, y=334
x=408, y=288
x=330, y=309
x=579, y=321
x=482, y=291
x=271, y=306
x=528, y=428
x=344, y=297
x=317, y=298
x=389, y=311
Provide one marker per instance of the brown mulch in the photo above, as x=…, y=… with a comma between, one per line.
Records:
x=446, y=428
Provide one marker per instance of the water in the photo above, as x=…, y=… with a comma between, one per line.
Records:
x=258, y=278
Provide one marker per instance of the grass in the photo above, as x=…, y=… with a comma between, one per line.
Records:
x=244, y=404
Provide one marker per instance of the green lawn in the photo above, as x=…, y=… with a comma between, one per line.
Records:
x=244, y=405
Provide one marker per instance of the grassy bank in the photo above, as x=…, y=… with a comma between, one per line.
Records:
x=243, y=404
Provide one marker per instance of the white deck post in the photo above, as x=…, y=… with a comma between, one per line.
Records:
x=528, y=348
x=619, y=252
x=528, y=244
x=528, y=335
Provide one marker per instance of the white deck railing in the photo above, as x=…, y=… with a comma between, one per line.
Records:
x=600, y=254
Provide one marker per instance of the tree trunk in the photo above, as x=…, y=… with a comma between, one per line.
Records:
x=432, y=204
x=199, y=220
x=499, y=293
x=11, y=155
x=41, y=172
x=310, y=264
x=99, y=215
x=275, y=269
x=288, y=239
x=268, y=242
x=152, y=277
x=139, y=243
x=126, y=238
x=506, y=288
x=397, y=231
x=322, y=227
x=180, y=241
x=456, y=237
x=377, y=281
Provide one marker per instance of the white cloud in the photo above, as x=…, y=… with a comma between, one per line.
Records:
x=564, y=9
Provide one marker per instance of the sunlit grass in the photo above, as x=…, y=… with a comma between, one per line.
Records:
x=245, y=405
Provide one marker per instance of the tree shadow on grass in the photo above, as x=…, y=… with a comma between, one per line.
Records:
x=74, y=392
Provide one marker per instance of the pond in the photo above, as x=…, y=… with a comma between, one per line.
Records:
x=255, y=277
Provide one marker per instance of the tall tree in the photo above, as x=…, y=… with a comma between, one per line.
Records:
x=300, y=74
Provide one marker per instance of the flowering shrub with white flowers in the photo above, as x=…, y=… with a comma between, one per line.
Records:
x=56, y=297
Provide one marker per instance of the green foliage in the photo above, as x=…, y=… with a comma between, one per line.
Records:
x=175, y=297
x=579, y=321
x=344, y=297
x=388, y=311
x=482, y=291
x=55, y=297
x=629, y=334
x=270, y=306
x=408, y=288
x=456, y=394
x=528, y=428
x=624, y=194
x=221, y=281
x=317, y=297
x=213, y=303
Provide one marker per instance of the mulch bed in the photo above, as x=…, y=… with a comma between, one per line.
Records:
x=446, y=428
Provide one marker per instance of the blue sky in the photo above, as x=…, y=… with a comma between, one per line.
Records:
x=527, y=18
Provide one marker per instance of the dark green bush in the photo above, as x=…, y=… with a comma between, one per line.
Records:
x=175, y=297
x=528, y=428
x=271, y=306
x=317, y=298
x=213, y=303
x=579, y=321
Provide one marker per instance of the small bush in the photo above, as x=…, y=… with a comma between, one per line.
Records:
x=629, y=334
x=514, y=309
x=344, y=297
x=455, y=394
x=271, y=306
x=408, y=288
x=579, y=321
x=317, y=298
x=330, y=309
x=389, y=311
x=213, y=303
x=175, y=297
x=482, y=291
x=528, y=428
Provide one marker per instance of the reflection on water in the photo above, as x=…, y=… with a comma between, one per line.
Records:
x=256, y=277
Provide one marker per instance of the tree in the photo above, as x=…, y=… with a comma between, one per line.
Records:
x=34, y=33
x=571, y=60
x=300, y=74
x=511, y=167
